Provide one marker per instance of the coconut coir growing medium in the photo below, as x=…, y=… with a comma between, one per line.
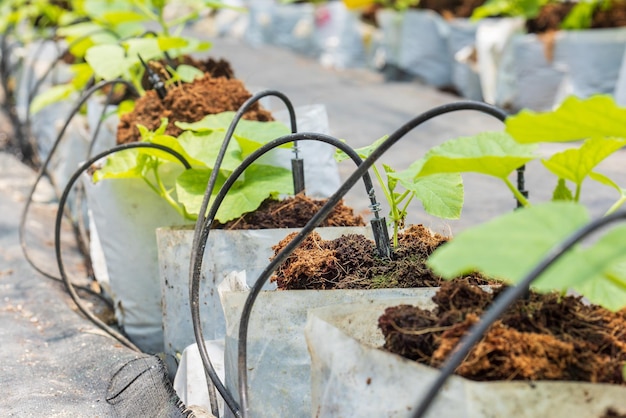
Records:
x=187, y=102
x=351, y=262
x=542, y=337
x=293, y=212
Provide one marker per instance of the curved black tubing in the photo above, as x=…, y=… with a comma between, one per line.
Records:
x=501, y=304
x=57, y=231
x=44, y=167
x=201, y=222
x=198, y=255
x=325, y=211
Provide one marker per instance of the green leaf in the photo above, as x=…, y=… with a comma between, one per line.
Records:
x=188, y=73
x=510, y=246
x=123, y=164
x=209, y=123
x=107, y=61
x=575, y=119
x=492, y=153
x=607, y=287
x=261, y=182
x=576, y=164
x=362, y=152
x=148, y=48
x=601, y=178
x=205, y=146
x=82, y=75
x=580, y=17
x=53, y=95
x=441, y=194
x=562, y=192
x=116, y=17
x=171, y=42
x=125, y=107
x=521, y=8
x=250, y=135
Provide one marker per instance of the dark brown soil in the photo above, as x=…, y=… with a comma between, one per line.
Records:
x=551, y=16
x=543, y=337
x=293, y=212
x=189, y=102
x=612, y=413
x=351, y=262
x=449, y=9
x=215, y=68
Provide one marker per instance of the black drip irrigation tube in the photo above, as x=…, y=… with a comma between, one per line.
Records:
x=213, y=380
x=198, y=251
x=203, y=224
x=325, y=211
x=57, y=231
x=43, y=169
x=361, y=171
x=39, y=82
x=501, y=304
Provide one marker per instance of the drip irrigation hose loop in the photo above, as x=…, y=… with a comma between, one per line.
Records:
x=44, y=167
x=502, y=303
x=39, y=82
x=57, y=232
x=201, y=221
x=200, y=245
x=325, y=211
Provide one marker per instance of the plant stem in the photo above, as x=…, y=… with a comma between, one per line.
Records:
x=616, y=205
x=577, y=196
x=162, y=191
x=516, y=192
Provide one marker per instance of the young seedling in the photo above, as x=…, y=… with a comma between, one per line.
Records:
x=440, y=194
x=508, y=247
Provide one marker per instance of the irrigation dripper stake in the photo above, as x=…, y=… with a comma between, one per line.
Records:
x=297, y=168
x=154, y=79
x=521, y=184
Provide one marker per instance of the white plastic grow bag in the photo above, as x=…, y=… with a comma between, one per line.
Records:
x=337, y=34
x=462, y=49
x=226, y=251
x=534, y=72
x=278, y=360
x=416, y=42
x=126, y=214
x=190, y=382
x=591, y=60
x=290, y=26
x=351, y=376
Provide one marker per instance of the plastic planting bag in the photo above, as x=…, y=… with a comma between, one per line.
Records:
x=226, y=251
x=352, y=377
x=278, y=360
x=126, y=214
x=415, y=41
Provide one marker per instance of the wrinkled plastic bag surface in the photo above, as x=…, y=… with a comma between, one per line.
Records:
x=321, y=172
x=290, y=26
x=337, y=34
x=278, y=360
x=190, y=382
x=416, y=42
x=352, y=376
x=226, y=251
x=461, y=46
x=126, y=215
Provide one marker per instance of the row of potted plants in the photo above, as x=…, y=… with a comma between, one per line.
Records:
x=480, y=49
x=435, y=180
